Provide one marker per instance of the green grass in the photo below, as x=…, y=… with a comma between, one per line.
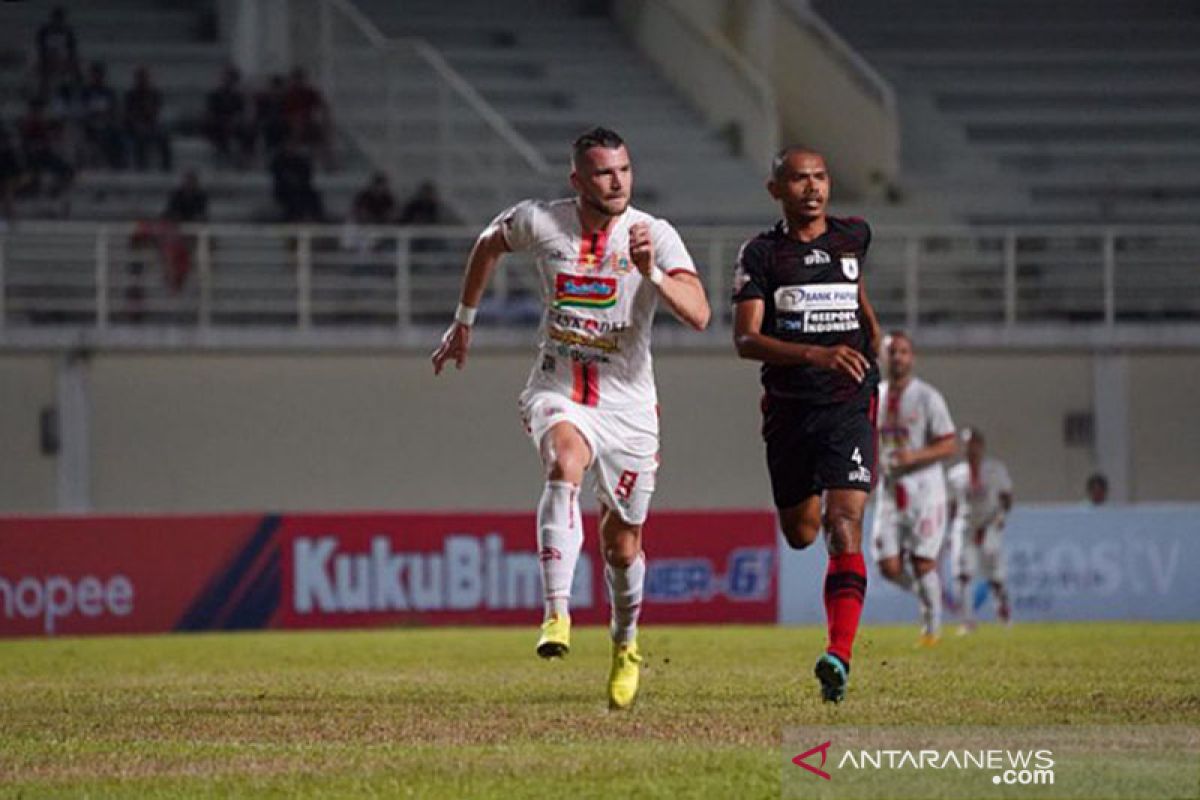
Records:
x=473, y=713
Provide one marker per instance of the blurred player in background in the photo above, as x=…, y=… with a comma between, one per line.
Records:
x=981, y=495
x=590, y=402
x=916, y=434
x=801, y=309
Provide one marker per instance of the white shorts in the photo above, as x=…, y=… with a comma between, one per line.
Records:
x=919, y=529
x=968, y=559
x=624, y=447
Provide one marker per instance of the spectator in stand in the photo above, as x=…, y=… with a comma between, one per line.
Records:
x=375, y=204
x=41, y=139
x=188, y=202
x=57, y=53
x=102, y=119
x=270, y=118
x=228, y=123
x=11, y=171
x=307, y=115
x=292, y=174
x=1097, y=489
x=424, y=207
x=143, y=112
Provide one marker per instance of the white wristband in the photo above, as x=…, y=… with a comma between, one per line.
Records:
x=657, y=276
x=465, y=315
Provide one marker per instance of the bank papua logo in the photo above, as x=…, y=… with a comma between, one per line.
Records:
x=575, y=291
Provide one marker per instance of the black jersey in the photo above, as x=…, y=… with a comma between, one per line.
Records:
x=810, y=290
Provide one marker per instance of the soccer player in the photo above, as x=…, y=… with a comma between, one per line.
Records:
x=590, y=402
x=800, y=308
x=916, y=435
x=981, y=495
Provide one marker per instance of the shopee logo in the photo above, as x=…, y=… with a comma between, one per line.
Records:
x=57, y=596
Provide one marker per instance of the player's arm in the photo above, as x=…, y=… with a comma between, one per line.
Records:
x=874, y=331
x=940, y=449
x=485, y=254
x=751, y=343
x=683, y=293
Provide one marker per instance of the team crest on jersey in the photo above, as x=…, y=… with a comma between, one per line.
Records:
x=850, y=267
x=578, y=291
x=619, y=263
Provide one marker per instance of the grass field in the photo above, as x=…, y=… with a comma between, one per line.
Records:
x=472, y=713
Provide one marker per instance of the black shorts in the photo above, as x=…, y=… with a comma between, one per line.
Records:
x=814, y=448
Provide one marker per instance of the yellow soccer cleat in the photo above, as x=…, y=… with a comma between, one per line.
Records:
x=928, y=640
x=623, y=678
x=556, y=637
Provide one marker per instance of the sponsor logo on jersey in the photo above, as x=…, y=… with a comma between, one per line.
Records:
x=816, y=297
x=830, y=321
x=850, y=267
x=578, y=291
x=608, y=344
x=570, y=321
x=816, y=257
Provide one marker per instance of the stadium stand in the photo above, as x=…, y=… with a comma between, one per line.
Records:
x=1067, y=112
x=556, y=69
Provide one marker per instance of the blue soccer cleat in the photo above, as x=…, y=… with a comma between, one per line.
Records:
x=834, y=674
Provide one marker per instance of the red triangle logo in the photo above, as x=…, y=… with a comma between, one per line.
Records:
x=823, y=749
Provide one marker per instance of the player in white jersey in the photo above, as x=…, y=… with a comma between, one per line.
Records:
x=916, y=434
x=590, y=401
x=981, y=495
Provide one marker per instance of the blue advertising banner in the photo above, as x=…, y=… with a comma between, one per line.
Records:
x=1064, y=563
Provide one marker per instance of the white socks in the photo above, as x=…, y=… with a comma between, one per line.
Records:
x=929, y=591
x=966, y=603
x=560, y=537
x=625, y=592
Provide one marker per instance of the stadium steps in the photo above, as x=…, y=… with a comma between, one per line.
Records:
x=1070, y=111
x=554, y=69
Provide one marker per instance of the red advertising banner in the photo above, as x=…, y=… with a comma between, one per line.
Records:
x=84, y=575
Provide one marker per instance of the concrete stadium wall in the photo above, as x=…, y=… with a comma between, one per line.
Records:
x=211, y=432
x=27, y=478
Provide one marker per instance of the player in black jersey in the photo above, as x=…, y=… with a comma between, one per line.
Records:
x=802, y=310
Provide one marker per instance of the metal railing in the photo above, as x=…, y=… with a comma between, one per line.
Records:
x=149, y=285
x=404, y=106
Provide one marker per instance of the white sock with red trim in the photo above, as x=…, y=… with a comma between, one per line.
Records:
x=625, y=585
x=560, y=538
x=929, y=591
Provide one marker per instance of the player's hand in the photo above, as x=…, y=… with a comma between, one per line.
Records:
x=901, y=459
x=455, y=343
x=641, y=249
x=844, y=359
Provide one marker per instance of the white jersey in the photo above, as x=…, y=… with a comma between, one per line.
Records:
x=594, y=340
x=977, y=494
x=913, y=418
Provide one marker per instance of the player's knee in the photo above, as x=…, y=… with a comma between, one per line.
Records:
x=622, y=550
x=567, y=466
x=923, y=566
x=844, y=531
